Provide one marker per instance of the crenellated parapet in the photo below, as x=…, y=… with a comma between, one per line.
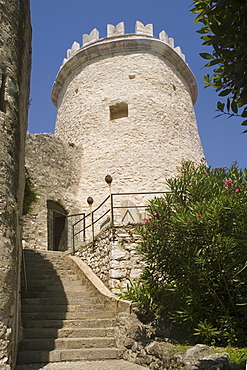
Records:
x=119, y=30
x=118, y=42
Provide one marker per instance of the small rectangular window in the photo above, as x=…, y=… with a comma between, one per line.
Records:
x=118, y=111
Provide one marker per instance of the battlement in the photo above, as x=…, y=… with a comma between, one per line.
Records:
x=118, y=42
x=119, y=30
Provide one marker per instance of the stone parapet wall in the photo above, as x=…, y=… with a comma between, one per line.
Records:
x=53, y=168
x=15, y=65
x=114, y=260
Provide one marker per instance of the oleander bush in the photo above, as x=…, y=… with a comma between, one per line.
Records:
x=194, y=244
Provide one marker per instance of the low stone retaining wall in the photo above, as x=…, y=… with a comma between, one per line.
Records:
x=114, y=259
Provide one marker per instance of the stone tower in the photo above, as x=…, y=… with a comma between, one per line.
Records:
x=127, y=101
x=15, y=65
x=125, y=108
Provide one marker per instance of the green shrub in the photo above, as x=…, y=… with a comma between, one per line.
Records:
x=194, y=246
x=30, y=195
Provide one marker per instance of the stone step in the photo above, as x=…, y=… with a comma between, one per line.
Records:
x=41, y=274
x=44, y=269
x=63, y=319
x=58, y=282
x=41, y=258
x=70, y=324
x=55, y=288
x=69, y=332
x=59, y=301
x=46, y=257
x=28, y=357
x=49, y=277
x=83, y=293
x=52, y=308
x=66, y=315
x=66, y=343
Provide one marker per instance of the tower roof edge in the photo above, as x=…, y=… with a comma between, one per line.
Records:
x=126, y=43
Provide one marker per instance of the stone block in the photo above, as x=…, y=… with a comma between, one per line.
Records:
x=163, y=36
x=135, y=273
x=93, y=36
x=115, y=31
x=192, y=355
x=179, y=51
x=74, y=48
x=145, y=30
x=117, y=273
x=171, y=42
x=114, y=264
x=118, y=254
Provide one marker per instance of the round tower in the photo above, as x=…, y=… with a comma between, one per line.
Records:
x=127, y=100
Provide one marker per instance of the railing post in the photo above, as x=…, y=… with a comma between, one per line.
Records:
x=84, y=228
x=73, y=239
x=112, y=218
x=112, y=215
x=90, y=203
x=108, y=180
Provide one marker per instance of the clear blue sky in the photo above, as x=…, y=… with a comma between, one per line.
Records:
x=57, y=23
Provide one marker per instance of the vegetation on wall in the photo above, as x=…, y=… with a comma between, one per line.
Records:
x=30, y=195
x=194, y=246
x=225, y=30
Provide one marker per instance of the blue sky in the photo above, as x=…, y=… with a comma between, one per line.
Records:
x=58, y=23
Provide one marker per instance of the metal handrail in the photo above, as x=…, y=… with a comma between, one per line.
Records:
x=109, y=210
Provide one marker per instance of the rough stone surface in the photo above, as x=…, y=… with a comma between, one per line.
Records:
x=15, y=64
x=84, y=365
x=53, y=168
x=114, y=261
x=161, y=356
x=195, y=353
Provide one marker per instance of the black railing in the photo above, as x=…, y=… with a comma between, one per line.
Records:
x=85, y=226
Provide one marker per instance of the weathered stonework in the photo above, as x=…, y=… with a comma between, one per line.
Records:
x=15, y=65
x=53, y=167
x=114, y=260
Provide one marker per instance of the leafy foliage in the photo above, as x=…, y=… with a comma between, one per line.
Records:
x=30, y=195
x=225, y=30
x=194, y=246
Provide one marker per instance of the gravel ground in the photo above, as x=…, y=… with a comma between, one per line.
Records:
x=83, y=365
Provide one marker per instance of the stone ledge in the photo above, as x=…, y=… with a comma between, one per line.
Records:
x=109, y=300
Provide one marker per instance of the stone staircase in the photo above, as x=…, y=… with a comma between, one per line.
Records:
x=62, y=317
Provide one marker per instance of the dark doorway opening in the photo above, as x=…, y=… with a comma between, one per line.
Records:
x=57, y=227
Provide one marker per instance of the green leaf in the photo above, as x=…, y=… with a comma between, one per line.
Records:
x=213, y=62
x=206, y=56
x=244, y=123
x=225, y=92
x=244, y=132
x=220, y=106
x=207, y=78
x=234, y=107
x=244, y=113
x=228, y=104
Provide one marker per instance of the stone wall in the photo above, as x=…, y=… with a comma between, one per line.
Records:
x=15, y=65
x=53, y=168
x=114, y=259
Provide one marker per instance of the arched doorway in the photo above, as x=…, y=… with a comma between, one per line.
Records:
x=57, y=227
